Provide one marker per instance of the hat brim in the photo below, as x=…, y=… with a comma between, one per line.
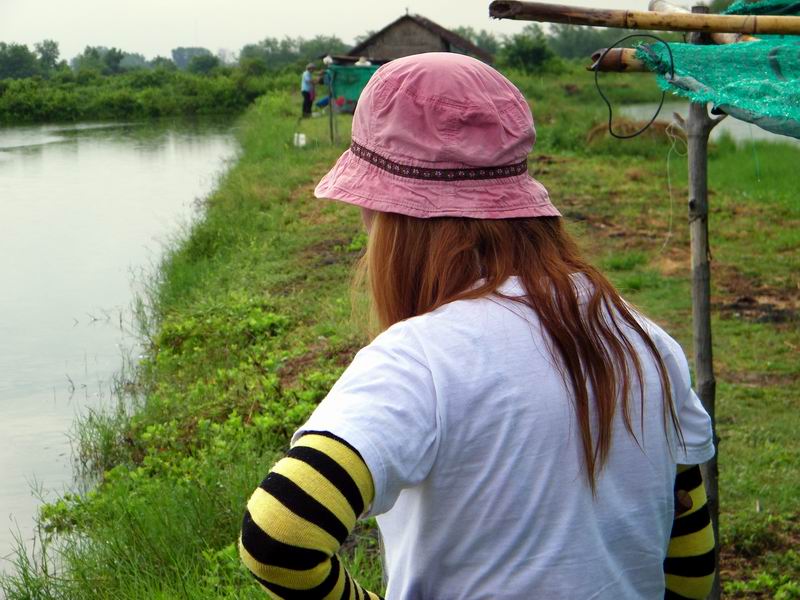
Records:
x=356, y=181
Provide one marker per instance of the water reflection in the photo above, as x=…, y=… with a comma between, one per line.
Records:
x=740, y=131
x=82, y=208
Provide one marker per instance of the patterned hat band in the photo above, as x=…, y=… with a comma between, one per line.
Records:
x=459, y=174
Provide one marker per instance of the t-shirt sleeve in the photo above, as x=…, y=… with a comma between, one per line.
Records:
x=694, y=420
x=384, y=405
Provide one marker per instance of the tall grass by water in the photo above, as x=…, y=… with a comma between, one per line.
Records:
x=249, y=324
x=135, y=95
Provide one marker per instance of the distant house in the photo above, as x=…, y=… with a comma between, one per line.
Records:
x=414, y=34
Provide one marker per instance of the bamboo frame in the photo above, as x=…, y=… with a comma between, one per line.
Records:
x=697, y=128
x=621, y=60
x=655, y=21
x=718, y=38
x=617, y=60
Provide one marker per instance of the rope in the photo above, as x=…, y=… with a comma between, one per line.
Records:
x=673, y=149
x=608, y=102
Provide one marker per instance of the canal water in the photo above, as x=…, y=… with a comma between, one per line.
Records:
x=85, y=213
x=741, y=132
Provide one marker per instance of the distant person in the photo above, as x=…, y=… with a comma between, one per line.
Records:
x=307, y=89
x=520, y=431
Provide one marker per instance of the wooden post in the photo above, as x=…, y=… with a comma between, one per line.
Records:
x=698, y=128
x=330, y=106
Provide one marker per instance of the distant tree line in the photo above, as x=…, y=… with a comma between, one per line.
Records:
x=274, y=54
x=107, y=83
x=18, y=61
x=533, y=49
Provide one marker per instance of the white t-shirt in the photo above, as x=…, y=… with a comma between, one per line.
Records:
x=470, y=436
x=307, y=82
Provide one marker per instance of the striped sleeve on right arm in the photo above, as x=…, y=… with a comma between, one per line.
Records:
x=299, y=517
x=689, y=566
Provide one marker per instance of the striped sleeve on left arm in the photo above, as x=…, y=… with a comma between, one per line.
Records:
x=689, y=566
x=299, y=517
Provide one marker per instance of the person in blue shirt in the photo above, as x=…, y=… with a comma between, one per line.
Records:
x=307, y=89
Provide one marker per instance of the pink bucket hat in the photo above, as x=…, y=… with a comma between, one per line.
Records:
x=440, y=134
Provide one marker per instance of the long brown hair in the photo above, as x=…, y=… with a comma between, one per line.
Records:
x=414, y=266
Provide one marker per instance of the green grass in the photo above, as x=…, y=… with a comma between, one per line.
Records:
x=249, y=323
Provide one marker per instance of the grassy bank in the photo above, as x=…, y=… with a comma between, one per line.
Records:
x=249, y=325
x=135, y=95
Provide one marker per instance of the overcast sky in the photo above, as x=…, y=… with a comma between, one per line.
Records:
x=153, y=27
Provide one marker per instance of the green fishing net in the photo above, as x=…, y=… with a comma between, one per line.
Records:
x=757, y=82
x=348, y=82
x=764, y=7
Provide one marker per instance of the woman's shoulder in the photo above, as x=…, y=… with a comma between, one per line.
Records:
x=462, y=324
x=664, y=342
x=467, y=314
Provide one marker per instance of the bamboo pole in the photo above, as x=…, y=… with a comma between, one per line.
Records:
x=330, y=106
x=617, y=60
x=718, y=38
x=631, y=19
x=698, y=129
x=624, y=59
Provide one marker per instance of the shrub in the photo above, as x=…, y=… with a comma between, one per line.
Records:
x=528, y=51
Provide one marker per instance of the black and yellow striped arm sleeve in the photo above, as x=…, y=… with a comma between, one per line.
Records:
x=689, y=566
x=299, y=517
